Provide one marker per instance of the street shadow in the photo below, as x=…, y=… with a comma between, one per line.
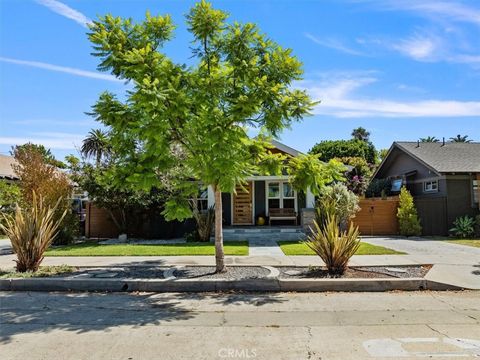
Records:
x=24, y=312
x=236, y=298
x=476, y=272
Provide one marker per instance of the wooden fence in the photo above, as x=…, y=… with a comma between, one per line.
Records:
x=377, y=216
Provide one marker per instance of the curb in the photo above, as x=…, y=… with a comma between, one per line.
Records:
x=189, y=285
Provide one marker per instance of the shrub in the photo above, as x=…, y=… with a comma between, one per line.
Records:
x=335, y=247
x=336, y=200
x=378, y=187
x=9, y=196
x=205, y=220
x=31, y=231
x=463, y=227
x=39, y=176
x=477, y=225
x=407, y=216
x=330, y=149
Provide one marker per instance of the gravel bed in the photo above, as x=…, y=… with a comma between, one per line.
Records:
x=357, y=272
x=130, y=272
x=232, y=273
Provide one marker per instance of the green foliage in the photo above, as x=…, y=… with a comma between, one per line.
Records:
x=477, y=225
x=308, y=172
x=96, y=145
x=358, y=177
x=378, y=187
x=240, y=79
x=42, y=150
x=407, y=216
x=382, y=154
x=335, y=247
x=461, y=139
x=336, y=201
x=330, y=149
x=429, y=139
x=361, y=134
x=31, y=231
x=463, y=227
x=9, y=196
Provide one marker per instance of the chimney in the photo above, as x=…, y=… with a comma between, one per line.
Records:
x=443, y=141
x=418, y=143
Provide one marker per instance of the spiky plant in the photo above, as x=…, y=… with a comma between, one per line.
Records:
x=335, y=247
x=31, y=231
x=205, y=221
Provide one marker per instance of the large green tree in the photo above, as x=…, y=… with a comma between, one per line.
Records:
x=331, y=149
x=238, y=78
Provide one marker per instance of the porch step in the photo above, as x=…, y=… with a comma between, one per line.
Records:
x=263, y=234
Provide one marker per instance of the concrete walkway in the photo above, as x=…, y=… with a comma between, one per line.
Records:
x=457, y=265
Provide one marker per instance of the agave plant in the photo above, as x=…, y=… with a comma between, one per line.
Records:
x=463, y=227
x=335, y=247
x=31, y=232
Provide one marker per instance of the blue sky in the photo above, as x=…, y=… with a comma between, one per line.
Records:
x=402, y=69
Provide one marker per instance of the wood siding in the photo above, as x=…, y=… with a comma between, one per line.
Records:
x=243, y=205
x=377, y=216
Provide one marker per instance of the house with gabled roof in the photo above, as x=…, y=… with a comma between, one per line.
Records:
x=6, y=169
x=443, y=177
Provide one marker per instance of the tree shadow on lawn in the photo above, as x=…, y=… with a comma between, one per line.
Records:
x=35, y=312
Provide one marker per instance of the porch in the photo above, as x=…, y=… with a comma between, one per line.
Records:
x=260, y=194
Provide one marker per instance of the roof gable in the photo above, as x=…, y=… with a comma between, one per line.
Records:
x=449, y=157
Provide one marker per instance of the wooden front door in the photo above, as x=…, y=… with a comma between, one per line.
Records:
x=243, y=205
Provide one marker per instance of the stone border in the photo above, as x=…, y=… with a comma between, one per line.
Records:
x=195, y=285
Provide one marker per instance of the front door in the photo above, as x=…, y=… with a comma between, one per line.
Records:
x=243, y=205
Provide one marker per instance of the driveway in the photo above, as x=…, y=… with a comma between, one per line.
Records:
x=326, y=326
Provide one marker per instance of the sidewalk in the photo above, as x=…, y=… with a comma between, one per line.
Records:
x=453, y=264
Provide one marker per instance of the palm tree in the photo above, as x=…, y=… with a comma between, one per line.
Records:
x=96, y=145
x=361, y=133
x=429, y=139
x=461, y=139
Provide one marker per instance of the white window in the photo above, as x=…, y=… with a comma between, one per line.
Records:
x=280, y=195
x=476, y=189
x=430, y=186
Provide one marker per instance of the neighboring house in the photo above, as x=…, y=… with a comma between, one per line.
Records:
x=6, y=170
x=444, y=179
x=262, y=193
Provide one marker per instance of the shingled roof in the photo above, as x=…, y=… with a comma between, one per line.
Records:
x=449, y=157
x=6, y=171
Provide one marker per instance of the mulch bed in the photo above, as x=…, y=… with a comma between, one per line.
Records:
x=246, y=272
x=357, y=272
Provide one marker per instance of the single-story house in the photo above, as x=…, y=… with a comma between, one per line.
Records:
x=264, y=195
x=6, y=170
x=443, y=177
x=260, y=196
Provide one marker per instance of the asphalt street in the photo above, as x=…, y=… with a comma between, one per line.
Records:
x=240, y=326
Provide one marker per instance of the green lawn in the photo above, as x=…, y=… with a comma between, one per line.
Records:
x=468, y=242
x=299, y=248
x=193, y=248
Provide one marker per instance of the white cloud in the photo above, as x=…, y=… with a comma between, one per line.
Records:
x=333, y=43
x=64, y=141
x=448, y=10
x=418, y=47
x=338, y=99
x=66, y=11
x=64, y=69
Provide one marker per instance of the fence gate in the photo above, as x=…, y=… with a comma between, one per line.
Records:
x=377, y=216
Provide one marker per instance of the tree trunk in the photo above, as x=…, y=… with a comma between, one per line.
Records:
x=219, y=254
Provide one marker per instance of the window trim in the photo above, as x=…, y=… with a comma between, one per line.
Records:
x=281, y=197
x=431, y=190
x=475, y=193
